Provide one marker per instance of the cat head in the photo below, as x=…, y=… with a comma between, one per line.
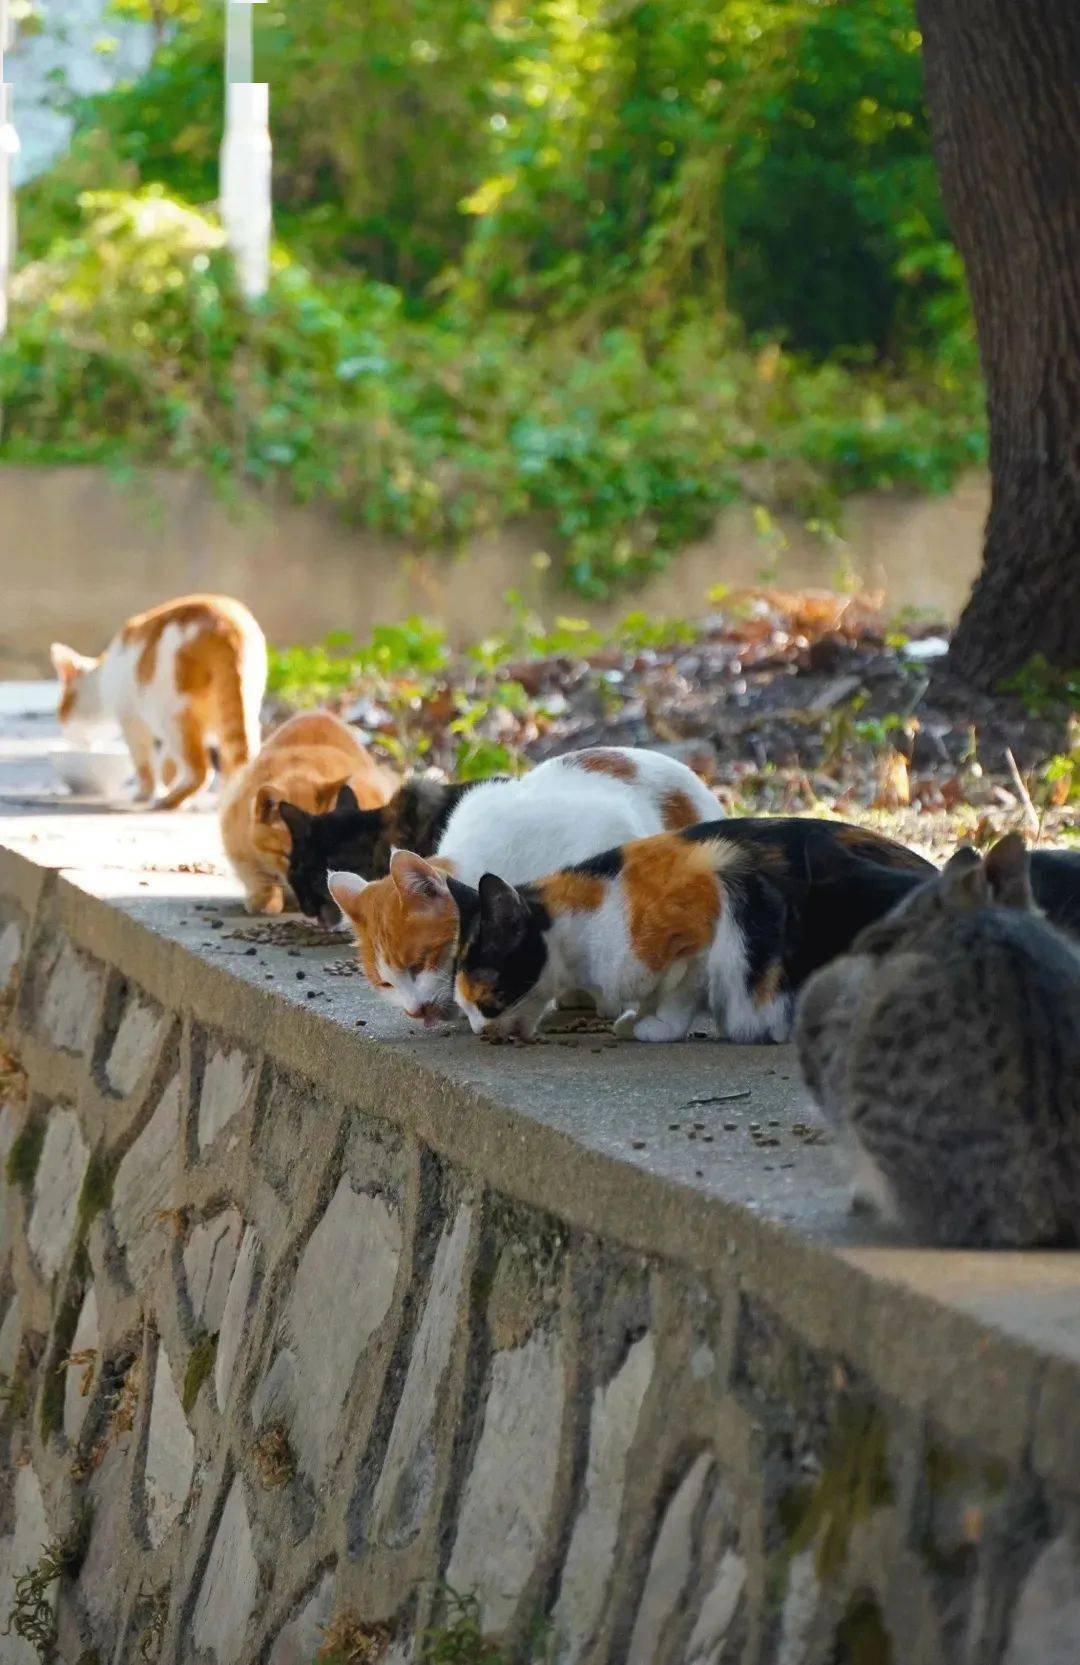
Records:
x=274, y=808
x=80, y=700
x=501, y=951
x=316, y=834
x=406, y=926
x=1002, y=878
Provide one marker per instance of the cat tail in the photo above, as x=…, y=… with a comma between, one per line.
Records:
x=233, y=726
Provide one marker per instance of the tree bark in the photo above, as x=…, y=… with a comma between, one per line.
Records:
x=1003, y=89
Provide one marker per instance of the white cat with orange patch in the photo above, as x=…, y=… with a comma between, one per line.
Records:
x=406, y=925
x=184, y=677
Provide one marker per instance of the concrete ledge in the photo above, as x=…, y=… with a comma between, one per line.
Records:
x=360, y=1311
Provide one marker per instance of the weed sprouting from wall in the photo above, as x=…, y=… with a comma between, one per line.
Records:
x=31, y=1617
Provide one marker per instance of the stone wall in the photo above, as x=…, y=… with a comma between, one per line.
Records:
x=296, y=1338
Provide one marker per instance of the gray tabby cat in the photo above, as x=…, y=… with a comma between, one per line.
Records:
x=946, y=1047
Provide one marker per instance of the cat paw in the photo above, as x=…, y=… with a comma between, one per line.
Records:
x=623, y=1026
x=657, y=1029
x=264, y=901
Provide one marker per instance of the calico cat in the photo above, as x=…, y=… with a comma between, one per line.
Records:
x=353, y=838
x=946, y=1048
x=183, y=678
x=309, y=761
x=406, y=924
x=667, y=927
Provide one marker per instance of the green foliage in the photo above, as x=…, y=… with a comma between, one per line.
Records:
x=1045, y=690
x=459, y=1640
x=544, y=257
x=129, y=344
x=571, y=158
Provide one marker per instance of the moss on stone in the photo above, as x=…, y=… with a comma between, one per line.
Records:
x=199, y=1365
x=854, y=1481
x=25, y=1154
x=14, y=1396
x=861, y=1638
x=96, y=1193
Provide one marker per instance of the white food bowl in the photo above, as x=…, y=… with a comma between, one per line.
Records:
x=101, y=773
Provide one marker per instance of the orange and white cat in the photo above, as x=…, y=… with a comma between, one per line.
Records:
x=303, y=765
x=184, y=677
x=406, y=925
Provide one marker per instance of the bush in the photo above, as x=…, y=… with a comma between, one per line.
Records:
x=130, y=344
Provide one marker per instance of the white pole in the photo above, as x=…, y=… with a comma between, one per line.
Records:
x=245, y=172
x=9, y=145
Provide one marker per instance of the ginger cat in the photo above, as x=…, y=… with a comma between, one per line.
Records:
x=303, y=765
x=179, y=679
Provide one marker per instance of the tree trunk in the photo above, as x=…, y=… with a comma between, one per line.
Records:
x=1003, y=89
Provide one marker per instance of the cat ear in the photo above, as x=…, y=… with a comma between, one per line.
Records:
x=327, y=795
x=296, y=819
x=417, y=879
x=466, y=899
x=346, y=889
x=1008, y=872
x=266, y=805
x=68, y=664
x=347, y=803
x=963, y=880
x=501, y=909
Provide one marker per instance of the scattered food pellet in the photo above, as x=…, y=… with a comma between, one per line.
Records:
x=216, y=924
x=730, y=1127
x=300, y=976
x=638, y=1144
x=250, y=953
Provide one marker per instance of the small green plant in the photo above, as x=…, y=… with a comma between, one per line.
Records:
x=32, y=1617
x=458, y=1638
x=199, y=1365
x=1045, y=690
x=25, y=1154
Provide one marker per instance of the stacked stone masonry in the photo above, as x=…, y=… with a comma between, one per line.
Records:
x=285, y=1364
